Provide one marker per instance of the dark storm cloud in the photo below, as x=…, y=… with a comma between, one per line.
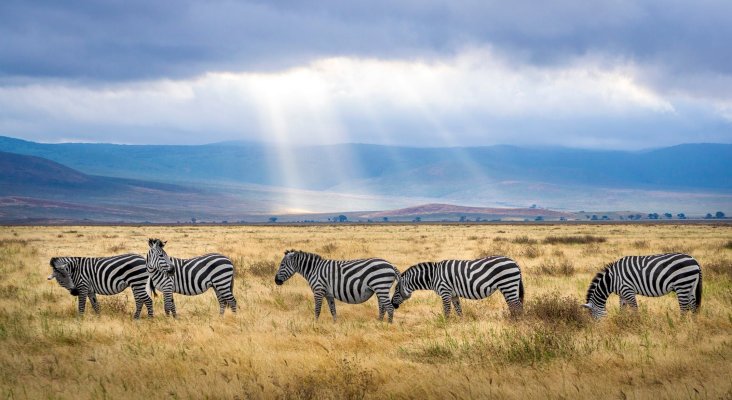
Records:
x=131, y=40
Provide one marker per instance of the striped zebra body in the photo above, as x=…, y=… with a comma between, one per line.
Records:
x=88, y=276
x=652, y=276
x=350, y=281
x=470, y=279
x=192, y=276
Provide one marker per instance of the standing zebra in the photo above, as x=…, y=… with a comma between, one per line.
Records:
x=350, y=281
x=652, y=276
x=190, y=276
x=88, y=276
x=471, y=279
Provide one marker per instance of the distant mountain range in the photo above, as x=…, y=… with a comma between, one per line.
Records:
x=247, y=180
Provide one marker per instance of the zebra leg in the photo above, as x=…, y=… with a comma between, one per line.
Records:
x=232, y=303
x=148, y=304
x=446, y=297
x=82, y=302
x=141, y=298
x=686, y=300
x=456, y=305
x=169, y=303
x=222, y=302
x=93, y=301
x=318, y=296
x=382, y=297
x=331, y=306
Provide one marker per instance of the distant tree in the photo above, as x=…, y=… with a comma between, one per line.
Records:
x=709, y=216
x=653, y=216
x=539, y=218
x=417, y=219
x=477, y=219
x=719, y=215
x=587, y=216
x=668, y=215
x=224, y=222
x=462, y=218
x=193, y=219
x=594, y=217
x=342, y=218
x=681, y=216
x=605, y=218
x=385, y=219
x=562, y=218
x=533, y=206
x=272, y=219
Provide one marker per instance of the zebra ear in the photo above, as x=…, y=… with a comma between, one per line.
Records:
x=50, y=277
x=150, y=242
x=588, y=305
x=162, y=244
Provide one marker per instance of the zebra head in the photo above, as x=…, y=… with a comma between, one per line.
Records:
x=287, y=267
x=157, y=258
x=406, y=284
x=597, y=294
x=60, y=270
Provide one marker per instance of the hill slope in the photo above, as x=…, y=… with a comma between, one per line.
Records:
x=410, y=171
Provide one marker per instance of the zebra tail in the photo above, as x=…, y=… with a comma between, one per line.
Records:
x=521, y=290
x=698, y=293
x=150, y=288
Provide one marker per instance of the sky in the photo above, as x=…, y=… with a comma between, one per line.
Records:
x=614, y=74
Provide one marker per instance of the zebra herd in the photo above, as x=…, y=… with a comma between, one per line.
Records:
x=356, y=281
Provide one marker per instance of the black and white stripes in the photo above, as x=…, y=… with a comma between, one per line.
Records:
x=652, y=276
x=88, y=276
x=470, y=279
x=350, y=281
x=190, y=276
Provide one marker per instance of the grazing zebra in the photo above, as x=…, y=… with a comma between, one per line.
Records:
x=350, y=281
x=471, y=279
x=190, y=276
x=652, y=276
x=88, y=276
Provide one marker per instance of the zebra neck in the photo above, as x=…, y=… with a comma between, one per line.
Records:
x=421, y=276
x=308, y=267
x=604, y=287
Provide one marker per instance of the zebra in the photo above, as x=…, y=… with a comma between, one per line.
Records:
x=190, y=276
x=350, y=281
x=88, y=276
x=470, y=279
x=654, y=275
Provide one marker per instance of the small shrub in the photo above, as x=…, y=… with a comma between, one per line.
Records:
x=524, y=240
x=580, y=239
x=719, y=267
x=473, y=237
x=727, y=245
x=640, y=244
x=561, y=267
x=116, y=248
x=328, y=248
x=112, y=305
x=532, y=251
x=555, y=309
x=263, y=268
x=541, y=343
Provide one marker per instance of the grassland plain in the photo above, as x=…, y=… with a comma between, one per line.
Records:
x=273, y=349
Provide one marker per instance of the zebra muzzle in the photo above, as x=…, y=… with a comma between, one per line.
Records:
x=279, y=282
x=74, y=291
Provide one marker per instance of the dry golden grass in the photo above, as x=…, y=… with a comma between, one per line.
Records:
x=274, y=349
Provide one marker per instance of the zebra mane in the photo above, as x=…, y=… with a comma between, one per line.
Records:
x=303, y=253
x=596, y=280
x=151, y=242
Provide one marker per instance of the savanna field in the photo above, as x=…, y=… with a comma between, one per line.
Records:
x=273, y=348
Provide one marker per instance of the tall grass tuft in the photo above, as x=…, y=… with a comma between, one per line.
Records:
x=580, y=239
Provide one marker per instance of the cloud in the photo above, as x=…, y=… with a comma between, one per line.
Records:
x=620, y=74
x=477, y=96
